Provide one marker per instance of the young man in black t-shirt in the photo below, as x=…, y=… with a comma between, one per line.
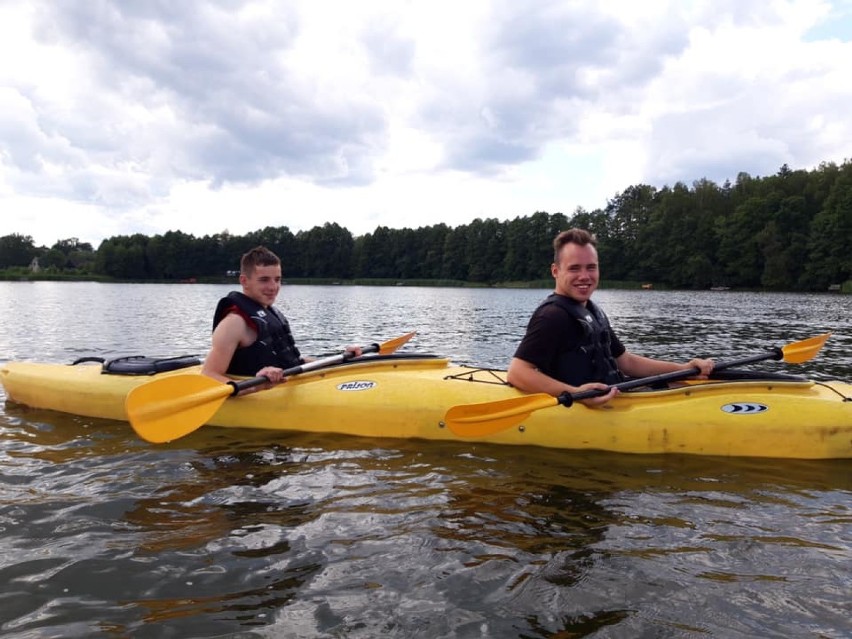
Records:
x=558, y=354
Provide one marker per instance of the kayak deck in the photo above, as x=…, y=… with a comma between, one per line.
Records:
x=407, y=396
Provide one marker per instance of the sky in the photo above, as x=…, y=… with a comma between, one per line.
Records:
x=209, y=116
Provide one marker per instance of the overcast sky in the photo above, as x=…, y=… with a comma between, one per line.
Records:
x=143, y=116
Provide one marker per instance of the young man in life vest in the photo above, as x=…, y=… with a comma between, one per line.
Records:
x=250, y=336
x=569, y=344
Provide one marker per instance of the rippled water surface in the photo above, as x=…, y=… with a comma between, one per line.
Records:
x=257, y=534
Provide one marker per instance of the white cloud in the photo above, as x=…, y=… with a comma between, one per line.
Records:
x=201, y=116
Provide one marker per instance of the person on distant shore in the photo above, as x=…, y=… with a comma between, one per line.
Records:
x=569, y=344
x=250, y=336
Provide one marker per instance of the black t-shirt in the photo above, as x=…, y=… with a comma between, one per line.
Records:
x=551, y=332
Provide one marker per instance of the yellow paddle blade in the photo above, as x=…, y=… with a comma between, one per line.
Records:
x=393, y=344
x=166, y=409
x=477, y=420
x=799, y=352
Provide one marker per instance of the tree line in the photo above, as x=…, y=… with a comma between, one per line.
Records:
x=788, y=231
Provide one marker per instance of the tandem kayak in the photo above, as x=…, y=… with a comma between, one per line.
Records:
x=407, y=395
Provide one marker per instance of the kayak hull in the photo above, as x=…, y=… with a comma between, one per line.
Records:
x=408, y=397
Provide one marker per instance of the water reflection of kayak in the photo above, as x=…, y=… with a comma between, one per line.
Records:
x=742, y=413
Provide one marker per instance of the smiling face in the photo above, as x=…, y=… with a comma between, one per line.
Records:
x=262, y=284
x=576, y=272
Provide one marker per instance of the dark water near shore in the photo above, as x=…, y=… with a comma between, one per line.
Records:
x=257, y=534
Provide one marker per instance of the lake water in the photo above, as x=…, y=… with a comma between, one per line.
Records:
x=258, y=534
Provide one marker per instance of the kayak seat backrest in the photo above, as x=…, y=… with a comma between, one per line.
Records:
x=140, y=364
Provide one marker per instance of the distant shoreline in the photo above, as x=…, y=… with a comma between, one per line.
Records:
x=845, y=288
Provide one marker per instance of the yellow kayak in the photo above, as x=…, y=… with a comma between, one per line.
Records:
x=408, y=396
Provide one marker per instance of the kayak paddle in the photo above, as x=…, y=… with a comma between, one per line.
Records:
x=487, y=418
x=171, y=407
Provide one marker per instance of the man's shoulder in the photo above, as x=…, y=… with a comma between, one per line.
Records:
x=237, y=318
x=557, y=306
x=552, y=318
x=548, y=310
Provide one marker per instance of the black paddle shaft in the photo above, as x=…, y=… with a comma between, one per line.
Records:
x=566, y=399
x=301, y=368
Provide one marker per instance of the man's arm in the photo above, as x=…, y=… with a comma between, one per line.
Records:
x=526, y=377
x=634, y=365
x=229, y=334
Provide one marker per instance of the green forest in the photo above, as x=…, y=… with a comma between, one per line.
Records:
x=790, y=231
